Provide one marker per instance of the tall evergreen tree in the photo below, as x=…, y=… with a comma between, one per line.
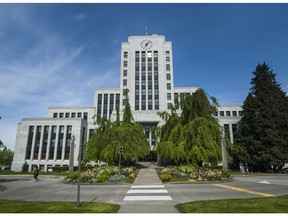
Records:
x=262, y=138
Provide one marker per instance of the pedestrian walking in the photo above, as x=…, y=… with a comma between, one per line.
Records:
x=36, y=173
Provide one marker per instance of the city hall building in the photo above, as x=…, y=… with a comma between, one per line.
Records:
x=147, y=71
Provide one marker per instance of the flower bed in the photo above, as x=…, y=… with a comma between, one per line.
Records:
x=100, y=174
x=191, y=173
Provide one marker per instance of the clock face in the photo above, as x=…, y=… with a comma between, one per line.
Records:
x=146, y=44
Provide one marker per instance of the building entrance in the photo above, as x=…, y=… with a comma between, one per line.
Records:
x=152, y=157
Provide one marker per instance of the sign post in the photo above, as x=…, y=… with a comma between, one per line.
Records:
x=120, y=154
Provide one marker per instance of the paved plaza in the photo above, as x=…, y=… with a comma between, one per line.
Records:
x=147, y=194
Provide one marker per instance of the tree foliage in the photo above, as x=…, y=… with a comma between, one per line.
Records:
x=262, y=136
x=193, y=137
x=6, y=155
x=109, y=136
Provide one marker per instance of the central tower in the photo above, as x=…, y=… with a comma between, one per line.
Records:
x=147, y=71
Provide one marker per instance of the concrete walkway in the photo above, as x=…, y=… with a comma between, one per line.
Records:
x=147, y=194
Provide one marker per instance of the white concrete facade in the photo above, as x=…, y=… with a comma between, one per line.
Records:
x=45, y=142
x=146, y=69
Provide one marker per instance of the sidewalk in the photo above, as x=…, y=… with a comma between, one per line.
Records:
x=147, y=194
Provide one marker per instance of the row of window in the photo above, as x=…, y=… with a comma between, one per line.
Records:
x=228, y=113
x=105, y=98
x=146, y=73
x=125, y=55
x=71, y=115
x=49, y=147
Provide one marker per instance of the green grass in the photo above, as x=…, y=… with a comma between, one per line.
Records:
x=10, y=206
x=252, y=205
x=179, y=179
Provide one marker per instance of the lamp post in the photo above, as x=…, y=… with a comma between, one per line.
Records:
x=223, y=145
x=79, y=174
x=71, y=154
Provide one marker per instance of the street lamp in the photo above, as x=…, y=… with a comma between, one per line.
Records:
x=223, y=145
x=71, y=154
x=79, y=174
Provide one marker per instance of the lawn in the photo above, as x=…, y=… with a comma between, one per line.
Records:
x=251, y=205
x=10, y=206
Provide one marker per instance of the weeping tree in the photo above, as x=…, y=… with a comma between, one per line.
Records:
x=109, y=136
x=193, y=137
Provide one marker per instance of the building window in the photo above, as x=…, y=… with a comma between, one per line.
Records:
x=125, y=82
x=99, y=105
x=37, y=142
x=85, y=116
x=234, y=113
x=111, y=104
x=221, y=113
x=125, y=91
x=55, y=115
x=149, y=54
x=68, y=141
x=60, y=143
x=105, y=108
x=176, y=102
x=125, y=63
x=52, y=142
x=61, y=115
x=169, y=106
x=240, y=113
x=79, y=115
x=125, y=54
x=29, y=142
x=117, y=100
x=234, y=128
x=216, y=113
x=168, y=76
x=124, y=73
x=73, y=115
x=168, y=96
x=156, y=101
x=45, y=143
x=167, y=59
x=167, y=52
x=226, y=129
x=67, y=115
x=168, y=67
x=155, y=54
x=228, y=113
x=168, y=86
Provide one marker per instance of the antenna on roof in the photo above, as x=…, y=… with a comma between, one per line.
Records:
x=146, y=29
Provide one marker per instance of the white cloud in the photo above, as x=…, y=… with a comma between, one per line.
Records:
x=77, y=18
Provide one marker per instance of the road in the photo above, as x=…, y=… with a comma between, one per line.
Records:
x=51, y=188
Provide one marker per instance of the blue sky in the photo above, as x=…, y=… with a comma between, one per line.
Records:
x=57, y=54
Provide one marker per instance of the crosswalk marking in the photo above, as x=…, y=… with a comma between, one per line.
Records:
x=150, y=190
x=148, y=186
x=147, y=198
x=147, y=191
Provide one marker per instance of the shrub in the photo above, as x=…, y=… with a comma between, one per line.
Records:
x=72, y=177
x=103, y=177
x=25, y=167
x=165, y=177
x=198, y=174
x=117, y=178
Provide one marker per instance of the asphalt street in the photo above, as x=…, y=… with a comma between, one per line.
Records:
x=146, y=195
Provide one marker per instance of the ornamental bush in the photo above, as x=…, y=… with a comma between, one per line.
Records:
x=165, y=177
x=99, y=174
x=196, y=174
